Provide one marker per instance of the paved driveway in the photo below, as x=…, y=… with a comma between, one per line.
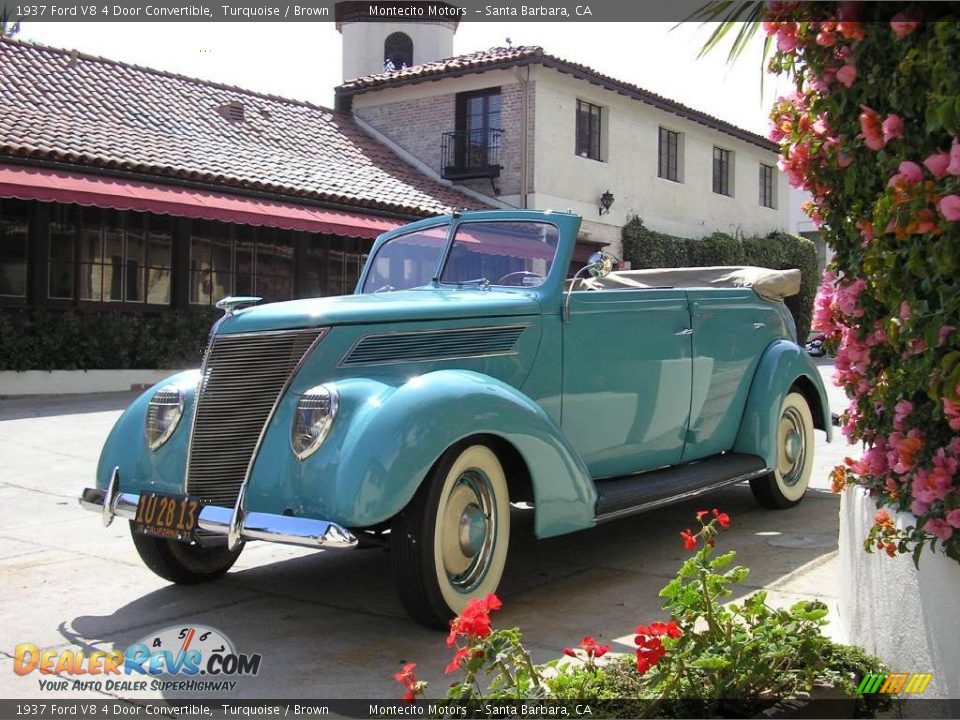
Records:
x=328, y=624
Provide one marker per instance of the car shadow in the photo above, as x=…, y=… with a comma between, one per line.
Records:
x=331, y=624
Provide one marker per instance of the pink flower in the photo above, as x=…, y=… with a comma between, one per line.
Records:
x=953, y=167
x=918, y=507
x=911, y=171
x=937, y=164
x=938, y=527
x=949, y=207
x=900, y=412
x=953, y=518
x=787, y=37
x=847, y=74
x=903, y=24
x=825, y=38
x=892, y=128
x=909, y=174
x=904, y=311
x=944, y=333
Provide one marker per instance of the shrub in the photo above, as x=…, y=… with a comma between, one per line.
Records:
x=715, y=249
x=45, y=339
x=873, y=133
x=645, y=248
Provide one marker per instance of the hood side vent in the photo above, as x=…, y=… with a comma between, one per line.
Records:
x=433, y=345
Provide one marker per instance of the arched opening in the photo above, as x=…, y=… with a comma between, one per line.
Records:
x=397, y=52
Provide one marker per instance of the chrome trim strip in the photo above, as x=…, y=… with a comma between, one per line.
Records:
x=110, y=497
x=288, y=530
x=236, y=520
x=677, y=498
x=343, y=361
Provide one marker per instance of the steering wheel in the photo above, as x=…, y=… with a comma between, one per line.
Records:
x=520, y=273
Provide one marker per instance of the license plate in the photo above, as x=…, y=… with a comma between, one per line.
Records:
x=168, y=516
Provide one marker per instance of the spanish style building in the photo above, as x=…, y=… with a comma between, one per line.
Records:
x=127, y=188
x=524, y=128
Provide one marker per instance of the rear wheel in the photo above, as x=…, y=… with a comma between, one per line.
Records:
x=450, y=543
x=786, y=485
x=183, y=563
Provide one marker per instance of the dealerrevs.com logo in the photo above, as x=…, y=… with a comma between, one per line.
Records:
x=189, y=658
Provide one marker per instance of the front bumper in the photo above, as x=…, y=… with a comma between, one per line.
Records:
x=235, y=524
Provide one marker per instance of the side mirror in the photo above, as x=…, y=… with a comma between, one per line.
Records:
x=601, y=264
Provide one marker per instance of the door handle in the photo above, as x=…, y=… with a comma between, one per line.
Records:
x=685, y=331
x=759, y=326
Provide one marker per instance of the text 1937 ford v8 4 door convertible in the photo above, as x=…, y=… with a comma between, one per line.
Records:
x=466, y=373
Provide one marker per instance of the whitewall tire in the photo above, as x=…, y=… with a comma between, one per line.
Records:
x=786, y=485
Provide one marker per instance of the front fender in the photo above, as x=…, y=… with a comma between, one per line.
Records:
x=783, y=365
x=390, y=436
x=126, y=446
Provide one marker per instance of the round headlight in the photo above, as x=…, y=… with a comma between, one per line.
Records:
x=312, y=420
x=163, y=415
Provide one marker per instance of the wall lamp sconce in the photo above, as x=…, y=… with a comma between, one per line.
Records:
x=606, y=200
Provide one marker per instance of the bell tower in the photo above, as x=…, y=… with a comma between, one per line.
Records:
x=379, y=37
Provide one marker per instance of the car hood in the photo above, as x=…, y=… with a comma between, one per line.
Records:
x=405, y=305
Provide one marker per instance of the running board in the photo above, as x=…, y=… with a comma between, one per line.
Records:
x=619, y=497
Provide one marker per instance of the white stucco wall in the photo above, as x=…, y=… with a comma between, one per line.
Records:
x=907, y=617
x=363, y=44
x=629, y=168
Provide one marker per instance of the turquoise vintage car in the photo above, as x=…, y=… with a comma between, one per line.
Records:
x=467, y=372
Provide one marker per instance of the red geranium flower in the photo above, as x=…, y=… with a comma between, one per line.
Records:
x=408, y=679
x=474, y=621
x=689, y=540
x=593, y=650
x=722, y=518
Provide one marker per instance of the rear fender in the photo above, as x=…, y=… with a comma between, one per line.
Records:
x=784, y=366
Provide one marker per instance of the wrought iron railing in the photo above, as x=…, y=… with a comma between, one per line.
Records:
x=471, y=154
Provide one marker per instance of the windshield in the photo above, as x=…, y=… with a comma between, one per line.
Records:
x=513, y=253
x=406, y=261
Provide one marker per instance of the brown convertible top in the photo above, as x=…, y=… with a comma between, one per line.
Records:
x=768, y=284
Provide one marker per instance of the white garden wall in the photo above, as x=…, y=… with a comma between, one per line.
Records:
x=909, y=618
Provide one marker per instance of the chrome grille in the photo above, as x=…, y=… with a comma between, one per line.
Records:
x=433, y=345
x=243, y=377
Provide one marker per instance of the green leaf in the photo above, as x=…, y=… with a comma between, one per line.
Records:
x=721, y=561
x=711, y=662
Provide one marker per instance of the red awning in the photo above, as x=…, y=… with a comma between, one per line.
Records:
x=28, y=183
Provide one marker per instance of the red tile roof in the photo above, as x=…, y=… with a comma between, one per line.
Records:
x=75, y=109
x=498, y=58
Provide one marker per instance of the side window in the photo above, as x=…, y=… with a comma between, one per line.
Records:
x=510, y=253
x=670, y=155
x=590, y=123
x=722, y=171
x=768, y=194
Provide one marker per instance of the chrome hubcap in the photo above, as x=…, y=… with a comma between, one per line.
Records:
x=793, y=447
x=468, y=530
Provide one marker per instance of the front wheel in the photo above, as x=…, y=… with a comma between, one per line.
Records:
x=785, y=486
x=183, y=563
x=450, y=543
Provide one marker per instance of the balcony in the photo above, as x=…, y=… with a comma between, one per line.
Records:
x=471, y=154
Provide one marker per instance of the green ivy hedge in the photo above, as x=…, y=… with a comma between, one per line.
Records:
x=46, y=339
x=645, y=248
